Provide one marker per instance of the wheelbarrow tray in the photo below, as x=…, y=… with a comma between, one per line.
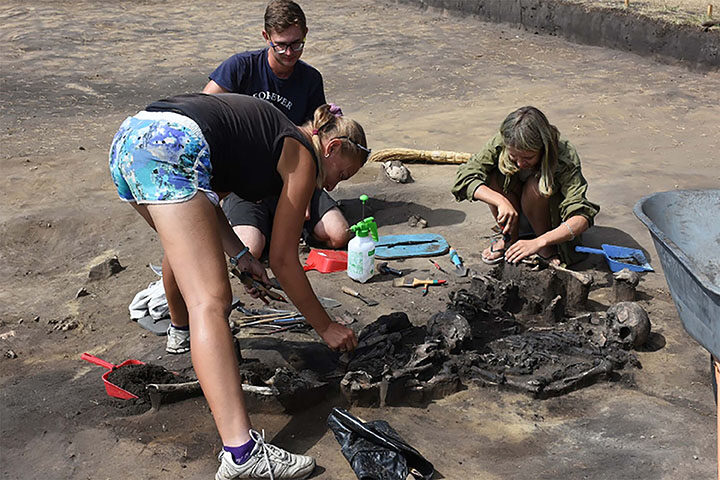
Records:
x=685, y=228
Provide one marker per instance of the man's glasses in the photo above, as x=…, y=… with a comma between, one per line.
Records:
x=283, y=47
x=364, y=149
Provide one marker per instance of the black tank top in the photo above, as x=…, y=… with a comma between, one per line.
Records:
x=245, y=135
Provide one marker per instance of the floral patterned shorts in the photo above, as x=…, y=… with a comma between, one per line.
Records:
x=160, y=157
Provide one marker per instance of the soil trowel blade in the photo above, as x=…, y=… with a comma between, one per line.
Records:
x=461, y=271
x=329, y=302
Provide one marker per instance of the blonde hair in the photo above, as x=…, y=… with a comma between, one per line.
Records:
x=527, y=128
x=327, y=126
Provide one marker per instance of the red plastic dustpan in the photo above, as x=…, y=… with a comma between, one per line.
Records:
x=326, y=261
x=112, y=389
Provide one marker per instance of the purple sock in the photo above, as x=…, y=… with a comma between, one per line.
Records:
x=242, y=453
x=184, y=329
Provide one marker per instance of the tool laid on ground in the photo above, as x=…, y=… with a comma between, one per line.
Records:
x=620, y=257
x=368, y=301
x=327, y=302
x=297, y=326
x=176, y=391
x=112, y=389
x=385, y=269
x=264, y=290
x=406, y=282
x=413, y=245
x=437, y=265
x=460, y=269
x=252, y=320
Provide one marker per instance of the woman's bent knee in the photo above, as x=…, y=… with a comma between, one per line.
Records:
x=210, y=310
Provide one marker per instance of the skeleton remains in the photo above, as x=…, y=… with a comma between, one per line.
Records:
x=524, y=327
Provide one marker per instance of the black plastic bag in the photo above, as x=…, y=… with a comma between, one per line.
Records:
x=375, y=451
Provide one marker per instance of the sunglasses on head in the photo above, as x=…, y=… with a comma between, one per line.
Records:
x=364, y=149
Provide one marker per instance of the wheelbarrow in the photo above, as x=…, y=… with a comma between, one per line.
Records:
x=686, y=234
x=687, y=238
x=112, y=389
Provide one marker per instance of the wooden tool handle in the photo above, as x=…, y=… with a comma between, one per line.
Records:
x=417, y=281
x=350, y=291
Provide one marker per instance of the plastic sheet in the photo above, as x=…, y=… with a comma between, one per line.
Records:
x=375, y=450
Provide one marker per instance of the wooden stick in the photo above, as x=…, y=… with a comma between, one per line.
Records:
x=262, y=321
x=267, y=315
x=709, y=11
x=409, y=155
x=627, y=3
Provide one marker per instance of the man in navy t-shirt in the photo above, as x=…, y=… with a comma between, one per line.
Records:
x=277, y=74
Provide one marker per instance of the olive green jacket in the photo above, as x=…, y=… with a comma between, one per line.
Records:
x=570, y=187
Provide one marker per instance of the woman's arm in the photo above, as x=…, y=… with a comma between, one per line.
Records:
x=566, y=231
x=232, y=246
x=297, y=169
x=506, y=213
x=475, y=172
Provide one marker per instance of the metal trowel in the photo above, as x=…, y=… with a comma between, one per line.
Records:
x=460, y=269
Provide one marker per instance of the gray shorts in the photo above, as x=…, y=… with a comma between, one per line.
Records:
x=260, y=214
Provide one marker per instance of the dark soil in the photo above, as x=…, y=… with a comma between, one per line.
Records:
x=134, y=378
x=71, y=72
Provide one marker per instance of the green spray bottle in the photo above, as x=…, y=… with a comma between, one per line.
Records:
x=361, y=249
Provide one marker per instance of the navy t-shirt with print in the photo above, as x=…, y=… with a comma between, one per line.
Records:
x=249, y=73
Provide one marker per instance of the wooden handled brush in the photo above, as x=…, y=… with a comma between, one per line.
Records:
x=406, y=282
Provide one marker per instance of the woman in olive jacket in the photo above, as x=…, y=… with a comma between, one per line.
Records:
x=526, y=168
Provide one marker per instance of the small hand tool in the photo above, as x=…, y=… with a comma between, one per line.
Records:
x=385, y=269
x=329, y=302
x=264, y=290
x=368, y=301
x=460, y=269
x=437, y=265
x=406, y=282
x=299, y=326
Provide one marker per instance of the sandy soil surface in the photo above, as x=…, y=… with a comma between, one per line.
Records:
x=673, y=11
x=72, y=71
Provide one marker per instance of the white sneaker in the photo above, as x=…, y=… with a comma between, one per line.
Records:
x=178, y=341
x=266, y=461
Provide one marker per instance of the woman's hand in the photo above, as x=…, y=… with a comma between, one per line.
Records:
x=248, y=263
x=522, y=249
x=507, y=217
x=338, y=337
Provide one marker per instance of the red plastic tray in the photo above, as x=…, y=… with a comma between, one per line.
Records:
x=112, y=389
x=326, y=261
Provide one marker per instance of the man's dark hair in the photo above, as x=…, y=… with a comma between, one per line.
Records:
x=282, y=14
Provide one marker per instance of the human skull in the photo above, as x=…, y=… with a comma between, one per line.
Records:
x=628, y=324
x=397, y=172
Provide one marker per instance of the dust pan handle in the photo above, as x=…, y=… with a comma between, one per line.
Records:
x=97, y=361
x=589, y=250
